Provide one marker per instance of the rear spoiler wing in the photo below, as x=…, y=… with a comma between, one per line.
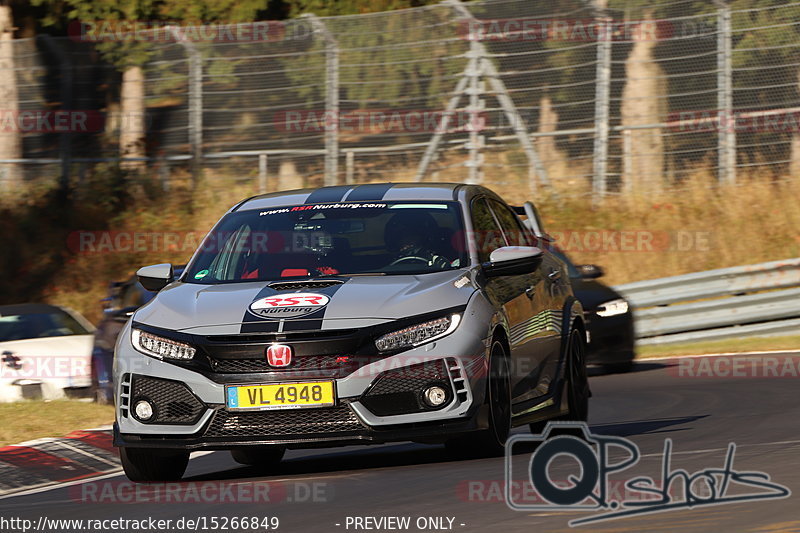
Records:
x=532, y=220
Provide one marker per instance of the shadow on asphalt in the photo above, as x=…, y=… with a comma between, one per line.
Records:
x=641, y=427
x=353, y=459
x=622, y=429
x=411, y=454
x=639, y=366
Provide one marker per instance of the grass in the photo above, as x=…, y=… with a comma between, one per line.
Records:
x=749, y=344
x=34, y=419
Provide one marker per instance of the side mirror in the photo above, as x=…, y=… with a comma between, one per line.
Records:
x=512, y=261
x=155, y=277
x=590, y=271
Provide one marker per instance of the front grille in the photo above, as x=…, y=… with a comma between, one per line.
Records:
x=399, y=391
x=244, y=366
x=304, y=285
x=173, y=402
x=321, y=350
x=409, y=378
x=285, y=423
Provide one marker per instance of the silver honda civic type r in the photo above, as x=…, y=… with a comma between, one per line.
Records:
x=350, y=315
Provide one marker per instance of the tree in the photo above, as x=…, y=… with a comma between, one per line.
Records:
x=130, y=53
x=766, y=76
x=10, y=141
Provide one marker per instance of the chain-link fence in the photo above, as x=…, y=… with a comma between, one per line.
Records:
x=567, y=97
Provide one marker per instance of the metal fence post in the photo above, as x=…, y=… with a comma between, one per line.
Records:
x=331, y=99
x=163, y=172
x=487, y=69
x=349, y=163
x=195, y=76
x=602, y=101
x=65, y=90
x=726, y=136
x=262, y=173
x=436, y=138
x=476, y=105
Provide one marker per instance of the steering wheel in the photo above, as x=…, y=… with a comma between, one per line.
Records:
x=409, y=258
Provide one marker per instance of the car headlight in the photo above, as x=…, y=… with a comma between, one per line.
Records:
x=418, y=334
x=612, y=308
x=160, y=347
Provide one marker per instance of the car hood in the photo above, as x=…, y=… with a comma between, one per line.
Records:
x=360, y=301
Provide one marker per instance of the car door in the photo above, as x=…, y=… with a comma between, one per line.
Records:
x=512, y=293
x=542, y=328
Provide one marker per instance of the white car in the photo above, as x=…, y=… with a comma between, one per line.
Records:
x=45, y=352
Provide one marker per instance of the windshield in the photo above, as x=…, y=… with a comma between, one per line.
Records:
x=20, y=326
x=344, y=238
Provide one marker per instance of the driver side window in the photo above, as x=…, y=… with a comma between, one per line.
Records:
x=487, y=234
x=515, y=233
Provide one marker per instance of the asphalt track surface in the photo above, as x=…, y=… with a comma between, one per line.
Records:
x=317, y=490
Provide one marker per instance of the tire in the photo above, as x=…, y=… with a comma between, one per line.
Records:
x=577, y=379
x=491, y=441
x=144, y=465
x=260, y=456
x=577, y=390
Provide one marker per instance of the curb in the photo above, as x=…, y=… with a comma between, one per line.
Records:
x=77, y=456
x=719, y=354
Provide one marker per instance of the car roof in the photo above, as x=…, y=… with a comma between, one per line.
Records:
x=370, y=192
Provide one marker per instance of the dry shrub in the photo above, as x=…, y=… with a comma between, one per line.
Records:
x=753, y=221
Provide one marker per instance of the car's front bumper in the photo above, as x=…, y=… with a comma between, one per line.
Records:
x=432, y=432
x=462, y=357
x=611, y=339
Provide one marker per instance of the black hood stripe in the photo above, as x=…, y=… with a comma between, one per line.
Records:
x=369, y=192
x=312, y=321
x=328, y=194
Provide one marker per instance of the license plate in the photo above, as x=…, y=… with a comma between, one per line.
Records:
x=279, y=396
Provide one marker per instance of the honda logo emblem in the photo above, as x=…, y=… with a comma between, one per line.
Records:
x=279, y=355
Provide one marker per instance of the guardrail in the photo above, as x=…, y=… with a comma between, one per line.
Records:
x=744, y=301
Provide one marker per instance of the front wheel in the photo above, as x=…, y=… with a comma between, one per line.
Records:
x=577, y=383
x=578, y=380
x=491, y=442
x=145, y=465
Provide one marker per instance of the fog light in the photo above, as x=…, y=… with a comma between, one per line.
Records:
x=435, y=396
x=143, y=410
